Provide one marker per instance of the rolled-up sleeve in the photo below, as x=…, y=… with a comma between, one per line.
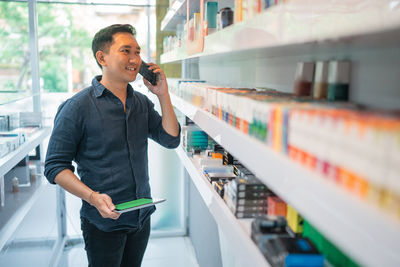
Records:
x=157, y=132
x=64, y=140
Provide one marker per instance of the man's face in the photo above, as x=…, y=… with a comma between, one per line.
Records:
x=122, y=61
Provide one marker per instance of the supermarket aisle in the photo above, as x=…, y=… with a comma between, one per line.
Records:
x=161, y=252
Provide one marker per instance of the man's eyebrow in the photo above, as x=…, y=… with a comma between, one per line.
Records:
x=128, y=46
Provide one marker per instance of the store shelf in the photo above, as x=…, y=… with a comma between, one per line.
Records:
x=174, y=55
x=236, y=232
x=17, y=205
x=366, y=234
x=11, y=159
x=176, y=14
x=298, y=27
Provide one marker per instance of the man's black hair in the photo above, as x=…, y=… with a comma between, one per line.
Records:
x=104, y=38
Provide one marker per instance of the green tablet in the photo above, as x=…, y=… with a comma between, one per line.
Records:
x=137, y=204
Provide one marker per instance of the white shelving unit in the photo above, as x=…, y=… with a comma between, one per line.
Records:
x=11, y=159
x=174, y=55
x=294, y=29
x=15, y=208
x=176, y=14
x=365, y=233
x=235, y=231
x=263, y=52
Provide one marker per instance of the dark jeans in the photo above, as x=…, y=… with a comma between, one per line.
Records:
x=118, y=248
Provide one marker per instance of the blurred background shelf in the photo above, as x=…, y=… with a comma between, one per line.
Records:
x=16, y=205
x=298, y=27
x=11, y=159
x=175, y=14
x=174, y=55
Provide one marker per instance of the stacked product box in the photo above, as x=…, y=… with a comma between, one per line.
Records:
x=194, y=139
x=11, y=135
x=266, y=227
x=279, y=247
x=247, y=9
x=219, y=187
x=10, y=141
x=291, y=252
x=8, y=144
x=228, y=159
x=281, y=240
x=192, y=91
x=341, y=144
x=337, y=140
x=250, y=110
x=295, y=220
x=276, y=206
x=213, y=168
x=246, y=196
x=218, y=172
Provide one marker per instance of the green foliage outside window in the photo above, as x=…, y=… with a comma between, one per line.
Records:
x=58, y=38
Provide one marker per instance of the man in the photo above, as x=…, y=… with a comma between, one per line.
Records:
x=104, y=129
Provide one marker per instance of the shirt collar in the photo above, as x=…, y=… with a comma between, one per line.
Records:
x=99, y=88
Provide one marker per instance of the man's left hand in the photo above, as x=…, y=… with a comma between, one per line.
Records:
x=161, y=88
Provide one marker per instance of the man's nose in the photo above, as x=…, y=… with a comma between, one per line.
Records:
x=134, y=59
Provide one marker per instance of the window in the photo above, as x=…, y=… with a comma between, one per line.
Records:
x=14, y=53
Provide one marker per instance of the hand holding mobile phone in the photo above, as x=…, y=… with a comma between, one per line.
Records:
x=148, y=74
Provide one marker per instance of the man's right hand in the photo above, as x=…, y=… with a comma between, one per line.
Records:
x=103, y=203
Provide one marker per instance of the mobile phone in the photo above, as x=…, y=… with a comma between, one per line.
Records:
x=148, y=74
x=137, y=204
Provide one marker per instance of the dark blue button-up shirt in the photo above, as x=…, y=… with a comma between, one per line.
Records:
x=109, y=146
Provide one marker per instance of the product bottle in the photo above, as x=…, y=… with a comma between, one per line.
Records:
x=226, y=16
x=304, y=77
x=15, y=184
x=338, y=80
x=320, y=89
x=211, y=17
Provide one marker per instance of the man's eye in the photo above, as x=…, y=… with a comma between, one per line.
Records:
x=126, y=51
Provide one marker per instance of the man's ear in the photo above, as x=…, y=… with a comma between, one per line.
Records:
x=100, y=58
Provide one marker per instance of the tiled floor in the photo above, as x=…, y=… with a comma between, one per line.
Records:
x=161, y=252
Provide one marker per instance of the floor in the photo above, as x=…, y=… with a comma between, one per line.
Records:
x=161, y=252
x=172, y=251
